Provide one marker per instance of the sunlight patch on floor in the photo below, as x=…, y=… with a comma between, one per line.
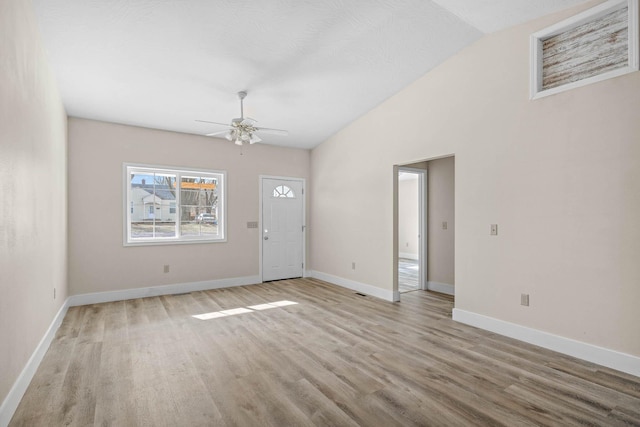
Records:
x=243, y=310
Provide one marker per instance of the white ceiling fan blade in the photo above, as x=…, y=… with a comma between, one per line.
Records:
x=217, y=133
x=280, y=132
x=254, y=138
x=249, y=121
x=214, y=123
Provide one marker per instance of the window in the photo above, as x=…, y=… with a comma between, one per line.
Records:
x=595, y=45
x=166, y=205
x=283, y=191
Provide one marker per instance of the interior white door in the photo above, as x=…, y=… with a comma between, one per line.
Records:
x=282, y=228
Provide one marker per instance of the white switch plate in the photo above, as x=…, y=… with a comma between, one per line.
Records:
x=444, y=225
x=494, y=229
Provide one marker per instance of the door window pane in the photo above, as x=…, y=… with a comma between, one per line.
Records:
x=283, y=191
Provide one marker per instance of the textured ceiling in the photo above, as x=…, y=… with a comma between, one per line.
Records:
x=309, y=66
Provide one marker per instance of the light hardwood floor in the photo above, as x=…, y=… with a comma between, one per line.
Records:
x=334, y=358
x=408, y=272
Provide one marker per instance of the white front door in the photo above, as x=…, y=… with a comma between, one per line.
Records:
x=282, y=228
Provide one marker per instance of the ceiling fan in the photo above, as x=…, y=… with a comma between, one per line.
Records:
x=243, y=129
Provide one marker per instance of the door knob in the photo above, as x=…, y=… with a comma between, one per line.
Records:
x=266, y=237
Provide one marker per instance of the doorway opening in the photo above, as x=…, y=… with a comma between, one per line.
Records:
x=424, y=226
x=411, y=233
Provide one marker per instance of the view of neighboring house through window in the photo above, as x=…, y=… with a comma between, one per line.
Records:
x=173, y=205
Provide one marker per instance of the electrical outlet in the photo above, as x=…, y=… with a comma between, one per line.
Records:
x=353, y=265
x=444, y=225
x=166, y=268
x=524, y=299
x=494, y=229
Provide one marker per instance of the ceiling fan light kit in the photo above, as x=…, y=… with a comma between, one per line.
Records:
x=243, y=130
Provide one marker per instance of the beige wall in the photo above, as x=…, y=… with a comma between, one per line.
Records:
x=440, y=206
x=33, y=191
x=559, y=175
x=97, y=259
x=408, y=211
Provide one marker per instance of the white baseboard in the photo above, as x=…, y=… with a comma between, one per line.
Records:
x=154, y=291
x=11, y=402
x=408, y=255
x=591, y=353
x=443, y=288
x=364, y=288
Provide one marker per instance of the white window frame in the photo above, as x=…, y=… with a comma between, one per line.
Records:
x=221, y=176
x=587, y=16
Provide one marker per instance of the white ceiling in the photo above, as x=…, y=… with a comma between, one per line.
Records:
x=309, y=66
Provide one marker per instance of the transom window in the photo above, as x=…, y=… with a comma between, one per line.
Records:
x=597, y=44
x=166, y=205
x=283, y=191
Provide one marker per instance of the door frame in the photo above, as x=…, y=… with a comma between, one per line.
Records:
x=261, y=179
x=422, y=226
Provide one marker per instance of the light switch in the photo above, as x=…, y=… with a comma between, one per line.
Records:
x=494, y=229
x=252, y=224
x=444, y=225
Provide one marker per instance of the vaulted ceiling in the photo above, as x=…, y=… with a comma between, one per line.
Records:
x=309, y=66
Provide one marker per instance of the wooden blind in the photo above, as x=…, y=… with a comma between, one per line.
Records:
x=587, y=50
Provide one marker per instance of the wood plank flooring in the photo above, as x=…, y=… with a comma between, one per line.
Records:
x=332, y=359
x=408, y=272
